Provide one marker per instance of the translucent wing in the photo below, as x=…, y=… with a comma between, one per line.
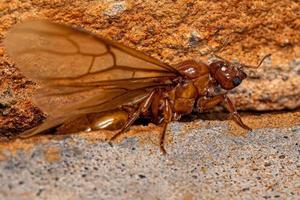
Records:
x=81, y=73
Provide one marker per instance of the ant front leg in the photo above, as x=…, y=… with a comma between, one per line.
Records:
x=207, y=103
x=143, y=107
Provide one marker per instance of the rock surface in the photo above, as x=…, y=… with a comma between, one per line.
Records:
x=171, y=31
x=203, y=162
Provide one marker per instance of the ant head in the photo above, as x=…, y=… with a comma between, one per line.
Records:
x=229, y=75
x=226, y=74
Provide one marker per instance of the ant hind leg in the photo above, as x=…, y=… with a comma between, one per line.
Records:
x=143, y=107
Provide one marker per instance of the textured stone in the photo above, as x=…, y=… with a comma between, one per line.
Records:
x=203, y=162
x=171, y=31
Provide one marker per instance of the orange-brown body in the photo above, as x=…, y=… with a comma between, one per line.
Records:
x=182, y=98
x=81, y=74
x=196, y=84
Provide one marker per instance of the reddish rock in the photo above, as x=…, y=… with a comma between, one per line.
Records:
x=171, y=31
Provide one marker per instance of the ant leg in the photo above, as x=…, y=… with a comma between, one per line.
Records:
x=155, y=107
x=143, y=107
x=204, y=104
x=167, y=118
x=234, y=114
x=220, y=58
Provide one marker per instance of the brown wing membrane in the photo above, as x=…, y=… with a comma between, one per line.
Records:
x=81, y=73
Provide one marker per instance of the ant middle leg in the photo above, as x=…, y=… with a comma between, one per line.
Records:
x=167, y=118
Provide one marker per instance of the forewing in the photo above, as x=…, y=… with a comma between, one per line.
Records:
x=81, y=73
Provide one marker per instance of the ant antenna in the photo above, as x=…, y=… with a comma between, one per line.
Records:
x=261, y=61
x=219, y=57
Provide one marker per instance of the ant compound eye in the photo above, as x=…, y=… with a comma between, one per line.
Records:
x=224, y=68
x=236, y=81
